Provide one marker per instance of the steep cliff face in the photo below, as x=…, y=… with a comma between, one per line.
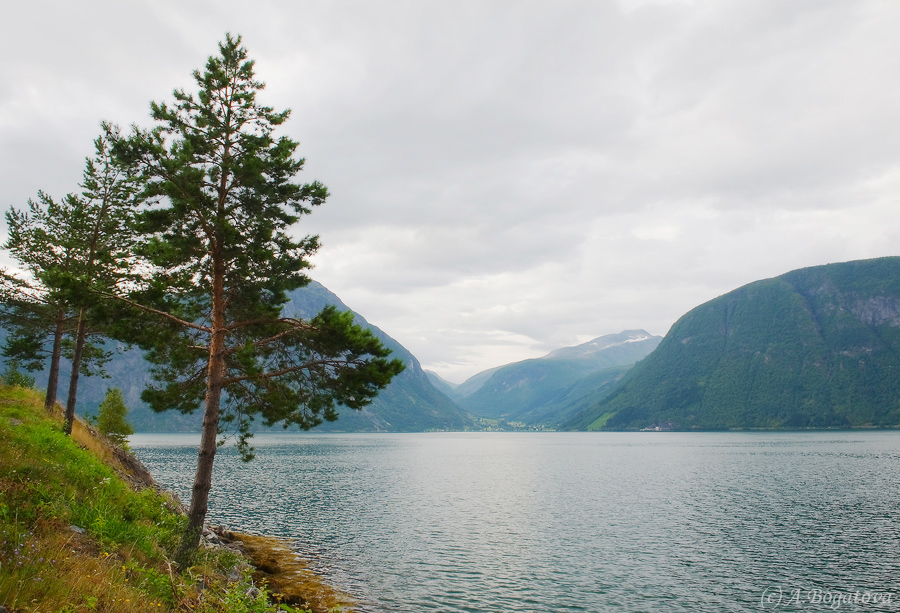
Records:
x=816, y=347
x=876, y=310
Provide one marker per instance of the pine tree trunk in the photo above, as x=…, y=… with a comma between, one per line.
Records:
x=53, y=379
x=207, y=453
x=215, y=378
x=80, y=336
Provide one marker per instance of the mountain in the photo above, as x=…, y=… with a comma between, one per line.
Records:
x=409, y=403
x=445, y=387
x=473, y=383
x=816, y=347
x=550, y=389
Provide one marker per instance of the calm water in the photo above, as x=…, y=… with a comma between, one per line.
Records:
x=491, y=522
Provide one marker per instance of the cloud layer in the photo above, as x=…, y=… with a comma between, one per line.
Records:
x=512, y=177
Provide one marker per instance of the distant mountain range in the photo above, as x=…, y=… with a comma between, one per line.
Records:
x=817, y=347
x=409, y=403
x=814, y=348
x=549, y=390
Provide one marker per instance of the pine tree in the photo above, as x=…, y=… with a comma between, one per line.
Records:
x=31, y=311
x=220, y=255
x=69, y=250
x=99, y=223
x=14, y=377
x=111, y=417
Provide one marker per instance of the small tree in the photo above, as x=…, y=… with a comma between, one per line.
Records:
x=14, y=377
x=111, y=420
x=220, y=258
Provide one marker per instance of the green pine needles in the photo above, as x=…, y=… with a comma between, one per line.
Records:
x=67, y=250
x=215, y=240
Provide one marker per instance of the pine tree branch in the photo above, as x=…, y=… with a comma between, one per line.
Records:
x=263, y=342
x=296, y=324
x=273, y=374
x=169, y=316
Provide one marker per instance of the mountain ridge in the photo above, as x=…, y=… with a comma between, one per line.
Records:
x=545, y=390
x=815, y=347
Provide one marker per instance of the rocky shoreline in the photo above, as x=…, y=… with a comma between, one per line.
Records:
x=287, y=575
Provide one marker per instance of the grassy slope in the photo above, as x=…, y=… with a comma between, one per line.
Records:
x=76, y=536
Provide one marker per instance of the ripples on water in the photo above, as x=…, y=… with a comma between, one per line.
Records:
x=504, y=522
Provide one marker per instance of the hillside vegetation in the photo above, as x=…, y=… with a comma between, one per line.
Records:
x=83, y=529
x=815, y=348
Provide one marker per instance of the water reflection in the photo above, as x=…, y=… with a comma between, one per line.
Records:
x=567, y=522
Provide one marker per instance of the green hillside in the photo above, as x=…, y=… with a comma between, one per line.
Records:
x=814, y=348
x=548, y=390
x=83, y=528
x=575, y=398
x=523, y=386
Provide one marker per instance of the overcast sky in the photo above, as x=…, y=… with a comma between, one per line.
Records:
x=512, y=177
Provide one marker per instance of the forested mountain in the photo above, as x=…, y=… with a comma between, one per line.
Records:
x=550, y=389
x=816, y=347
x=409, y=403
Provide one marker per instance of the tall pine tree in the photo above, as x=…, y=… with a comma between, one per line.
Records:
x=220, y=257
x=100, y=224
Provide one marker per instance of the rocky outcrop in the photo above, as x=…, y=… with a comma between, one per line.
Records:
x=286, y=574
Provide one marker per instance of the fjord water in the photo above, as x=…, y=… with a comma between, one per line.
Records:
x=543, y=522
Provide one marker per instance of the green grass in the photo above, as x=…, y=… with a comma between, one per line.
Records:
x=598, y=423
x=75, y=537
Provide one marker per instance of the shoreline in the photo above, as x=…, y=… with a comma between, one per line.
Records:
x=286, y=573
x=280, y=568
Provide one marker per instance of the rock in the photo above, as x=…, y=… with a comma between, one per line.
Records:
x=77, y=529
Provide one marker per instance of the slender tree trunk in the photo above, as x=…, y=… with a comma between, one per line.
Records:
x=207, y=453
x=215, y=378
x=80, y=335
x=53, y=380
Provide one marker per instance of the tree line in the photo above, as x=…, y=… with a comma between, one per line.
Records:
x=180, y=241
